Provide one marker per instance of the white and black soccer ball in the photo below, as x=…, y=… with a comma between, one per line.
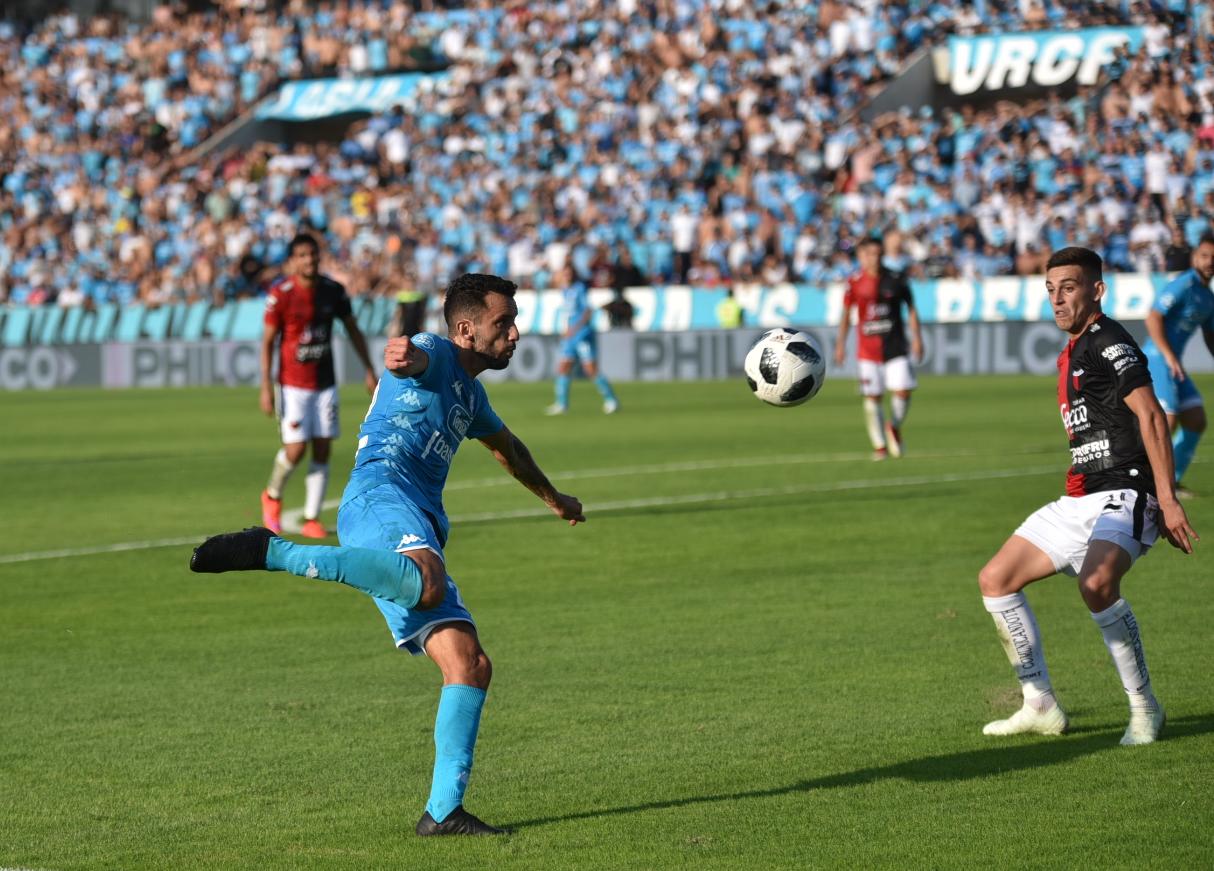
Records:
x=785, y=367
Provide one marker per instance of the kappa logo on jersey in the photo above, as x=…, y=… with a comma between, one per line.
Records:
x=423, y=341
x=407, y=539
x=402, y=420
x=458, y=421
x=410, y=398
x=458, y=388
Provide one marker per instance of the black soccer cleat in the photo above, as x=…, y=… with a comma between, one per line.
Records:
x=233, y=551
x=458, y=822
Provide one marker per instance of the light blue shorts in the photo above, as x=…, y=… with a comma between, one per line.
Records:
x=384, y=519
x=1175, y=396
x=583, y=346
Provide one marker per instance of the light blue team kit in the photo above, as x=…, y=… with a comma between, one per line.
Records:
x=582, y=345
x=405, y=447
x=1187, y=305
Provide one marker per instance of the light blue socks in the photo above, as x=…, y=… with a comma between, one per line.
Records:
x=382, y=573
x=600, y=381
x=562, y=390
x=1184, y=445
x=455, y=728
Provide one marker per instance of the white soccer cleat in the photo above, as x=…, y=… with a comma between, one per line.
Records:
x=555, y=408
x=1029, y=720
x=611, y=406
x=1144, y=727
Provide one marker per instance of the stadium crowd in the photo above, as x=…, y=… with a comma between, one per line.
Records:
x=668, y=141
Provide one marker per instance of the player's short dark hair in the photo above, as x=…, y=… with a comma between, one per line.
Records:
x=303, y=239
x=466, y=294
x=870, y=240
x=1207, y=239
x=1085, y=258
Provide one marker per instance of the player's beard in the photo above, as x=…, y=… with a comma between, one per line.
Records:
x=489, y=360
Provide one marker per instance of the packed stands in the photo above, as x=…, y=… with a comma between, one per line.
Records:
x=679, y=141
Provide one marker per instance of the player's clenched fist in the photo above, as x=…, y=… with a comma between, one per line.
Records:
x=568, y=508
x=403, y=358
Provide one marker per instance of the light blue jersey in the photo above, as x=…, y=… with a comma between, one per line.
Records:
x=415, y=425
x=575, y=303
x=1187, y=305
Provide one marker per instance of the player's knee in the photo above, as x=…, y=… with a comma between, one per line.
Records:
x=994, y=581
x=480, y=670
x=1099, y=590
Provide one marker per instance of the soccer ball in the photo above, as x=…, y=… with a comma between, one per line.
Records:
x=785, y=367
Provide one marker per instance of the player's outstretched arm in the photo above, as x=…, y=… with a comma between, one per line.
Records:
x=1157, y=441
x=404, y=359
x=516, y=459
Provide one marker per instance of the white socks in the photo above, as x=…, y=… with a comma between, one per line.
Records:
x=875, y=421
x=898, y=407
x=279, y=474
x=316, y=482
x=1120, y=631
x=1017, y=628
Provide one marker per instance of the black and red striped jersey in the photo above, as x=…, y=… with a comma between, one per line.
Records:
x=1096, y=371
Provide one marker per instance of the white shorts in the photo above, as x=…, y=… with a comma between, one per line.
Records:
x=307, y=414
x=895, y=374
x=1064, y=528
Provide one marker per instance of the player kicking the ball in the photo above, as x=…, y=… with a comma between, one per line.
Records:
x=1120, y=495
x=393, y=528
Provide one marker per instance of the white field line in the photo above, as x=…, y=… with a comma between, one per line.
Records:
x=292, y=520
x=619, y=505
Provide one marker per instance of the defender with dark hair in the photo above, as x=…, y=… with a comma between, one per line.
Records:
x=1184, y=306
x=1120, y=496
x=300, y=310
x=393, y=527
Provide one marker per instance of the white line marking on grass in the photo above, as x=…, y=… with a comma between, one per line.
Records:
x=619, y=505
x=763, y=492
x=101, y=548
x=292, y=519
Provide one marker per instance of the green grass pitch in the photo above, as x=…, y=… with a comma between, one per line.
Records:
x=762, y=651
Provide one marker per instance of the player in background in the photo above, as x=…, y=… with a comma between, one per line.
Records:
x=580, y=343
x=1120, y=495
x=1185, y=305
x=878, y=295
x=300, y=311
x=393, y=527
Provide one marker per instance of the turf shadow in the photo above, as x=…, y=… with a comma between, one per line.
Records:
x=966, y=765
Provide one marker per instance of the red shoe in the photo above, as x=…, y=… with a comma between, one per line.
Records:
x=271, y=513
x=314, y=529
